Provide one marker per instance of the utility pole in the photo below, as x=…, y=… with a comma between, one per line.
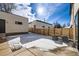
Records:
x=44, y=20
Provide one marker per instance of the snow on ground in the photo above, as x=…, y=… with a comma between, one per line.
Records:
x=35, y=40
x=15, y=43
x=44, y=44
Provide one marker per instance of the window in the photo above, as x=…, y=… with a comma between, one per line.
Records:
x=48, y=27
x=43, y=26
x=76, y=19
x=17, y=22
x=34, y=26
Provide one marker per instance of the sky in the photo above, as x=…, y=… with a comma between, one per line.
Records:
x=50, y=12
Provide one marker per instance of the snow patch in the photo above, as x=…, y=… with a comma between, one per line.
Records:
x=15, y=43
x=44, y=44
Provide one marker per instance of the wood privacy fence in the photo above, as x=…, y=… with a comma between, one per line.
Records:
x=54, y=31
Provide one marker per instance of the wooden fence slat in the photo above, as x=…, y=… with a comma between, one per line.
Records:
x=54, y=31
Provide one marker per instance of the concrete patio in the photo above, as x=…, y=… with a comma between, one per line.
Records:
x=25, y=38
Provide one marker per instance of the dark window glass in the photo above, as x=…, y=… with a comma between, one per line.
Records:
x=17, y=22
x=43, y=26
x=48, y=27
x=34, y=26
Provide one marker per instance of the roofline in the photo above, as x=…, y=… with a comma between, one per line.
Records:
x=30, y=22
x=40, y=21
x=12, y=14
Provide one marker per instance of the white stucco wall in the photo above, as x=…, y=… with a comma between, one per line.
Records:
x=76, y=7
x=10, y=25
x=74, y=10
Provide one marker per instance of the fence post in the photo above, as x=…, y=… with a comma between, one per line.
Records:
x=69, y=32
x=48, y=30
x=61, y=31
x=54, y=31
x=43, y=30
x=34, y=28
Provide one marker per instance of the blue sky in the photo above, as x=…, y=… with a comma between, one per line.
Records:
x=52, y=12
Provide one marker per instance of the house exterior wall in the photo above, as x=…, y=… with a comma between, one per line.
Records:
x=76, y=7
x=10, y=26
x=39, y=25
x=74, y=10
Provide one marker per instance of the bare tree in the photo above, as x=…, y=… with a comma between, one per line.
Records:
x=57, y=25
x=68, y=24
x=64, y=25
x=6, y=7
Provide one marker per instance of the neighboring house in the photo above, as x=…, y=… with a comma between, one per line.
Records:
x=12, y=24
x=39, y=24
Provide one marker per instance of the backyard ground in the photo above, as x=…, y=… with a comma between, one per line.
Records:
x=35, y=51
x=25, y=38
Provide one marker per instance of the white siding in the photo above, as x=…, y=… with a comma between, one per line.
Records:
x=76, y=7
x=11, y=27
x=39, y=24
